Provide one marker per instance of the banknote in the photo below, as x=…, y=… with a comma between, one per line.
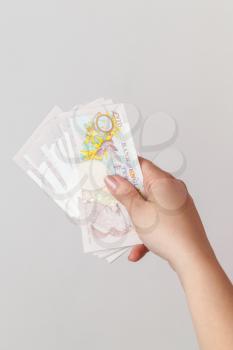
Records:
x=103, y=146
x=36, y=160
x=95, y=201
x=70, y=154
x=105, y=222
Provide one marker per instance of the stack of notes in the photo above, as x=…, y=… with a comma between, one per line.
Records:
x=70, y=154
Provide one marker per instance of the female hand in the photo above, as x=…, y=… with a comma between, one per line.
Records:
x=164, y=216
x=168, y=224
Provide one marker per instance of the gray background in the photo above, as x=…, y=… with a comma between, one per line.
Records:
x=171, y=56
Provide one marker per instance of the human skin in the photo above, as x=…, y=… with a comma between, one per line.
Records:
x=168, y=224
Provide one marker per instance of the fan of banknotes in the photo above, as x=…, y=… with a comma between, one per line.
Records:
x=69, y=155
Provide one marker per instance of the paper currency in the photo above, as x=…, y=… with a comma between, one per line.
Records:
x=70, y=154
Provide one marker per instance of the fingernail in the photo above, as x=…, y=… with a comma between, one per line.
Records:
x=111, y=183
x=130, y=257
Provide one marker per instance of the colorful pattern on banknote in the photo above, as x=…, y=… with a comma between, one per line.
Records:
x=102, y=136
x=105, y=136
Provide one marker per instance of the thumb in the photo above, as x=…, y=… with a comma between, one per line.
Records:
x=143, y=213
x=125, y=193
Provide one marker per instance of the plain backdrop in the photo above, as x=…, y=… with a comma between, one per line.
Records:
x=162, y=55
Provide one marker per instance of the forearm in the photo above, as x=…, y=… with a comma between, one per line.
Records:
x=210, y=297
x=178, y=236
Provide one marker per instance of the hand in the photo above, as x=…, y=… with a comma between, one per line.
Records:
x=164, y=216
x=168, y=224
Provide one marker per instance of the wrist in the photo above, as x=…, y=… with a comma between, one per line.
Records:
x=194, y=261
